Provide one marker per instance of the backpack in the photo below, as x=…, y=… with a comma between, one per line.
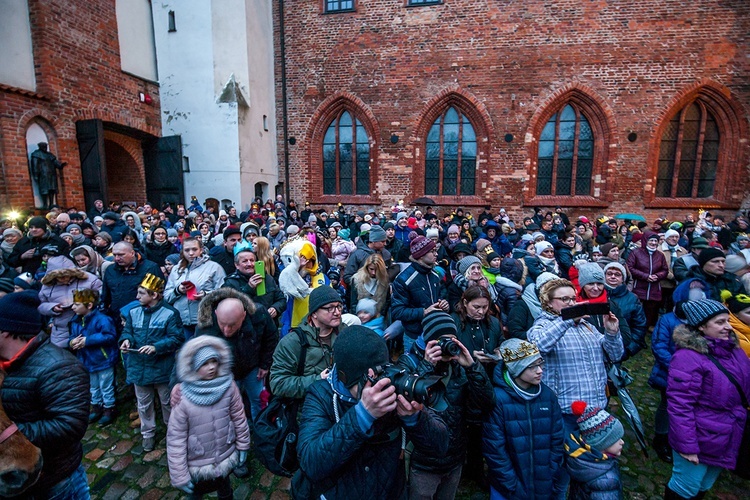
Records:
x=275, y=429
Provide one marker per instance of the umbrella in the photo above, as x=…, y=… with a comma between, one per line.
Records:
x=424, y=201
x=620, y=378
x=630, y=217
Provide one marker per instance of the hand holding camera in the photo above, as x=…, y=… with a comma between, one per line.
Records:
x=379, y=399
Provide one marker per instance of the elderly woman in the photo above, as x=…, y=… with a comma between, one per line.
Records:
x=648, y=267
x=58, y=284
x=10, y=238
x=707, y=388
x=574, y=350
x=468, y=273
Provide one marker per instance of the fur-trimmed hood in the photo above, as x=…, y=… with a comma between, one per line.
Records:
x=184, y=365
x=208, y=305
x=52, y=276
x=686, y=337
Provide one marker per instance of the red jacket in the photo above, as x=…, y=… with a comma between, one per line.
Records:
x=643, y=264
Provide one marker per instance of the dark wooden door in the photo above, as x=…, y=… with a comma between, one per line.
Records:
x=164, y=178
x=90, y=136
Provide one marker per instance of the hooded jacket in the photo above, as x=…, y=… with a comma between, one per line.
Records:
x=253, y=345
x=203, y=441
x=593, y=475
x=523, y=442
x=415, y=289
x=706, y=416
x=100, y=351
x=631, y=310
x=205, y=274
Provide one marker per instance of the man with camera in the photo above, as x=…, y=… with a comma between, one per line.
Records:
x=354, y=426
x=469, y=397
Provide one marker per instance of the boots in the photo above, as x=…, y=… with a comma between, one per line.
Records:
x=663, y=450
x=96, y=413
x=108, y=416
x=671, y=495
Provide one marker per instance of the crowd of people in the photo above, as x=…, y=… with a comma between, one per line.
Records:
x=517, y=322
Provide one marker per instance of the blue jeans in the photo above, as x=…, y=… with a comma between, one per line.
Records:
x=74, y=487
x=252, y=387
x=103, y=387
x=689, y=479
x=408, y=342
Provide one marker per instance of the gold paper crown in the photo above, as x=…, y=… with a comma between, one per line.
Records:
x=524, y=351
x=85, y=296
x=153, y=283
x=488, y=249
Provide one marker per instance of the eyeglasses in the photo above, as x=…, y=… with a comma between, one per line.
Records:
x=614, y=274
x=333, y=308
x=536, y=366
x=567, y=300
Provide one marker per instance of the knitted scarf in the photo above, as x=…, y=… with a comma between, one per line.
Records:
x=7, y=247
x=206, y=392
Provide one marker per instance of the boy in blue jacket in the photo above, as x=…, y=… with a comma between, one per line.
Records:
x=93, y=339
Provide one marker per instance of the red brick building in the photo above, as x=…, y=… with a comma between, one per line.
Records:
x=599, y=106
x=81, y=95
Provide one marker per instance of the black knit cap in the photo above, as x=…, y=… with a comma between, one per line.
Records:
x=18, y=313
x=436, y=324
x=321, y=297
x=709, y=254
x=38, y=221
x=356, y=349
x=230, y=230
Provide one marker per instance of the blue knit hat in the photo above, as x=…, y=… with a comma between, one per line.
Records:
x=698, y=312
x=204, y=354
x=19, y=314
x=599, y=429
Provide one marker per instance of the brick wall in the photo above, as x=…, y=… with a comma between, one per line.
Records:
x=511, y=65
x=76, y=55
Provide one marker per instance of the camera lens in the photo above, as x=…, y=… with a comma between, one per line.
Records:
x=449, y=347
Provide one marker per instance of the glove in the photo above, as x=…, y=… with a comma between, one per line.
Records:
x=243, y=458
x=188, y=488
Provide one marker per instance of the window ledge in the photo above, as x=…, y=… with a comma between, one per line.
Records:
x=566, y=201
x=690, y=203
x=340, y=11
x=458, y=201
x=346, y=199
x=423, y=4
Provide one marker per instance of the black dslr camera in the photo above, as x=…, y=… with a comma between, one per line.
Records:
x=425, y=389
x=448, y=346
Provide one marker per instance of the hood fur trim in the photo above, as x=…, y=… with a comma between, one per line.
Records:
x=184, y=366
x=686, y=337
x=208, y=305
x=51, y=276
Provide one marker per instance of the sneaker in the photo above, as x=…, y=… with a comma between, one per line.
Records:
x=96, y=413
x=108, y=416
x=148, y=444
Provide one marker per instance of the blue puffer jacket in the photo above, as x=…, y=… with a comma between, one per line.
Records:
x=100, y=351
x=662, y=344
x=523, y=442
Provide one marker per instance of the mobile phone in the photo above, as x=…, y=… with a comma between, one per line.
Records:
x=585, y=309
x=260, y=269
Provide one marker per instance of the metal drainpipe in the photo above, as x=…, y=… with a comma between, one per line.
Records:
x=284, y=118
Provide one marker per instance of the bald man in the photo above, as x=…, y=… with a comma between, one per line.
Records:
x=121, y=280
x=250, y=333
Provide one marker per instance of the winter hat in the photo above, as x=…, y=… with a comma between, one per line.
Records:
x=388, y=225
x=698, y=312
x=492, y=256
x=596, y=249
x=229, y=231
x=322, y=296
x=38, y=222
x=366, y=305
x=419, y=245
x=542, y=246
x=536, y=236
x=590, y=273
x=432, y=233
x=510, y=268
x=312, y=218
x=464, y=264
x=482, y=244
x=21, y=283
x=651, y=236
x=344, y=234
x=364, y=228
x=377, y=234
x=699, y=242
x=671, y=233
x=518, y=355
x=98, y=218
x=453, y=229
x=204, y=354
x=735, y=263
x=400, y=216
x=616, y=265
x=735, y=303
x=356, y=350
x=172, y=258
x=544, y=278
x=606, y=248
x=461, y=248
x=436, y=324
x=292, y=230
x=111, y=216
x=637, y=237
x=708, y=254
x=19, y=314
x=349, y=319
x=599, y=429
x=7, y=285
x=527, y=237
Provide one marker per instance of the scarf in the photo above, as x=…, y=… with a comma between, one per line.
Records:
x=463, y=283
x=526, y=395
x=6, y=247
x=673, y=253
x=550, y=262
x=206, y=392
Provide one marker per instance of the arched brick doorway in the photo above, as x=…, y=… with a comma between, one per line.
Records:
x=126, y=181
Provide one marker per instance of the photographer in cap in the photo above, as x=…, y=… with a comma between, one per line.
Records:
x=351, y=435
x=27, y=252
x=470, y=399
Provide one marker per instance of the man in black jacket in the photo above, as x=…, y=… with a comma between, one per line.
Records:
x=121, y=280
x=352, y=431
x=46, y=394
x=27, y=252
x=224, y=255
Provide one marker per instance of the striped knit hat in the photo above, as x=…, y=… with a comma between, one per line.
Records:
x=436, y=324
x=698, y=312
x=599, y=429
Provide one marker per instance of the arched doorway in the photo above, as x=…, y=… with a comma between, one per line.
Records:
x=125, y=179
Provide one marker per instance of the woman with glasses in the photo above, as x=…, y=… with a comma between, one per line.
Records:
x=573, y=350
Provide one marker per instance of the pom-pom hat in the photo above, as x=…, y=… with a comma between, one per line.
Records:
x=599, y=429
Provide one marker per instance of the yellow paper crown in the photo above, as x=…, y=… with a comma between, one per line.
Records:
x=85, y=296
x=524, y=351
x=153, y=283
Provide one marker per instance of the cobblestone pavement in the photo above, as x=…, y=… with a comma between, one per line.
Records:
x=117, y=467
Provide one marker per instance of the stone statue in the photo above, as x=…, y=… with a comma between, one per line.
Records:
x=44, y=167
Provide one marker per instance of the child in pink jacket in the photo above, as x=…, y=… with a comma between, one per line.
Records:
x=208, y=436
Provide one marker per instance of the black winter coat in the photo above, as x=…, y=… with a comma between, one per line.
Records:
x=157, y=253
x=631, y=310
x=32, y=265
x=46, y=393
x=470, y=400
x=342, y=462
x=121, y=285
x=274, y=297
x=523, y=442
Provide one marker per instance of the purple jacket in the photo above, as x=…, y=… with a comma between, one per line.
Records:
x=641, y=265
x=706, y=416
